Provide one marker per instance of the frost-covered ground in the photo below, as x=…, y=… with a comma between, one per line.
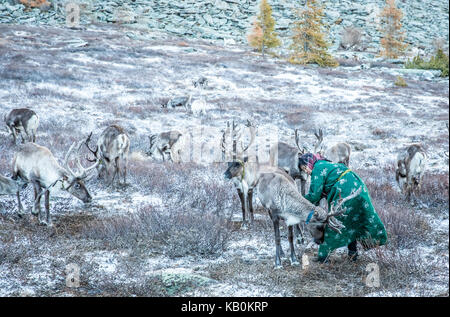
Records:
x=174, y=230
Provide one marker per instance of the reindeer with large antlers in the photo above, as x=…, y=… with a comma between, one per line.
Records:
x=243, y=168
x=281, y=198
x=35, y=164
x=112, y=152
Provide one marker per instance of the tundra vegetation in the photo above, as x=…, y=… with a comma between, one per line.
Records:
x=175, y=230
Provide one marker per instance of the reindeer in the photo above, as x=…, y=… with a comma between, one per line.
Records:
x=8, y=186
x=286, y=157
x=338, y=153
x=410, y=168
x=243, y=173
x=112, y=150
x=161, y=144
x=24, y=122
x=35, y=164
x=281, y=199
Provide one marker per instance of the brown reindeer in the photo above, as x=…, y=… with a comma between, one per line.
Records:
x=23, y=122
x=410, y=168
x=112, y=152
x=161, y=144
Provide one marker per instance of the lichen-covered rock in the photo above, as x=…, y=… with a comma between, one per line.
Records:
x=221, y=18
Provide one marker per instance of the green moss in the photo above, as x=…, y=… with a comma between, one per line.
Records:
x=437, y=62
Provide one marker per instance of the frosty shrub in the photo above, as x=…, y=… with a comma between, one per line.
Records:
x=173, y=230
x=398, y=267
x=435, y=190
x=404, y=225
x=195, y=218
x=350, y=38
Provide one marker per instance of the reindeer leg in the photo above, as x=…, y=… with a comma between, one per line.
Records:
x=276, y=227
x=14, y=134
x=36, y=210
x=281, y=248
x=20, y=205
x=47, y=208
x=250, y=205
x=299, y=232
x=124, y=167
x=293, y=258
x=243, y=202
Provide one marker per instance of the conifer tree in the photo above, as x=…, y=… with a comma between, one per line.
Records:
x=263, y=34
x=392, y=42
x=309, y=43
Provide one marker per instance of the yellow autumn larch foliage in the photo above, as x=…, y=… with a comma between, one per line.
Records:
x=34, y=3
x=309, y=45
x=263, y=33
x=392, y=41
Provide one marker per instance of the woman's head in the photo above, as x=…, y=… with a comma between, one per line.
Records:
x=306, y=162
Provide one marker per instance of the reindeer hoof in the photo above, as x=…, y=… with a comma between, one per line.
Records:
x=46, y=223
x=278, y=267
x=244, y=226
x=295, y=263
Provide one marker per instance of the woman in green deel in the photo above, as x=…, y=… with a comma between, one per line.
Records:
x=362, y=224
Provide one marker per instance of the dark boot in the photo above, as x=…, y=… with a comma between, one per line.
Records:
x=353, y=251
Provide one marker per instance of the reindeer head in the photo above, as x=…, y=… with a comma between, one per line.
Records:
x=73, y=182
x=235, y=169
x=320, y=218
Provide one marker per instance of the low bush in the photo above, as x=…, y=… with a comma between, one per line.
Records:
x=437, y=62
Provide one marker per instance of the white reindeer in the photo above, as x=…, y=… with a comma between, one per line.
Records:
x=35, y=164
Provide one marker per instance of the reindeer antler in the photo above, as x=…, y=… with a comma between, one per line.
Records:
x=333, y=223
x=235, y=137
x=302, y=150
x=252, y=129
x=319, y=137
x=92, y=151
x=83, y=171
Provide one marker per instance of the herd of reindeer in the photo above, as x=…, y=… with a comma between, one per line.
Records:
x=274, y=183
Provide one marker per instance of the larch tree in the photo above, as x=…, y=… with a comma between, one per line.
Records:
x=392, y=41
x=309, y=45
x=263, y=34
